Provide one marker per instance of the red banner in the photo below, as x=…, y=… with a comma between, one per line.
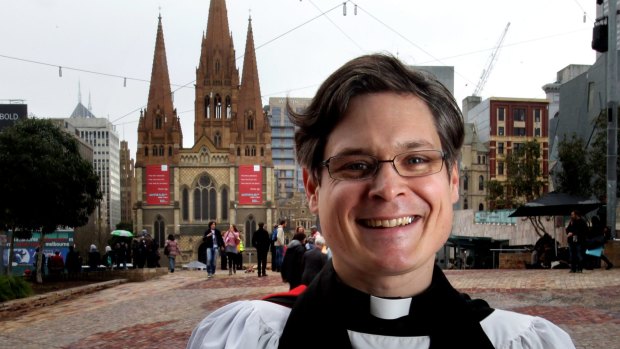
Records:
x=157, y=185
x=250, y=185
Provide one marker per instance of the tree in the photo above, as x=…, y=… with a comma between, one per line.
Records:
x=523, y=180
x=44, y=182
x=575, y=173
x=495, y=195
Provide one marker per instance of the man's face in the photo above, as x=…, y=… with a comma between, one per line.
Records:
x=415, y=213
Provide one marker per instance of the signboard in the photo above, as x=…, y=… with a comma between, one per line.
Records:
x=10, y=113
x=250, y=185
x=157, y=185
x=23, y=253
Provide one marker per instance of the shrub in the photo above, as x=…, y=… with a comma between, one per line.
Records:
x=12, y=287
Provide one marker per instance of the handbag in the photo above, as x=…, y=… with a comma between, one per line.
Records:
x=596, y=252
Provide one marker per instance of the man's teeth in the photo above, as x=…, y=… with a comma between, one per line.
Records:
x=389, y=223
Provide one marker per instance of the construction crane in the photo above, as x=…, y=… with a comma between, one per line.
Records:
x=486, y=72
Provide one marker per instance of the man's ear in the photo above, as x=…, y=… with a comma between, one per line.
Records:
x=454, y=183
x=312, y=191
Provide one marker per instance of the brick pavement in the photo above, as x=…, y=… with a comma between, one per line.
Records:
x=162, y=312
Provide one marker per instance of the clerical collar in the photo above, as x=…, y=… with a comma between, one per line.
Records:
x=389, y=308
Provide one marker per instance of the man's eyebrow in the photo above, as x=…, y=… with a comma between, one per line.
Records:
x=416, y=144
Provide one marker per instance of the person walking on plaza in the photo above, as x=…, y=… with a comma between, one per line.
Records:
x=173, y=251
x=215, y=244
x=576, y=233
x=231, y=242
x=261, y=241
x=279, y=244
x=379, y=146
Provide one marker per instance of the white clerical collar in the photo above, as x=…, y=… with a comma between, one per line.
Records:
x=389, y=309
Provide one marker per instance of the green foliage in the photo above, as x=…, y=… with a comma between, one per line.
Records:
x=574, y=176
x=13, y=287
x=524, y=182
x=46, y=181
x=495, y=195
x=597, y=157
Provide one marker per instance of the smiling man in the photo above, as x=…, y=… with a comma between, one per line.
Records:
x=379, y=146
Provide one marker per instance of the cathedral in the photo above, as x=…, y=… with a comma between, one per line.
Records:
x=227, y=175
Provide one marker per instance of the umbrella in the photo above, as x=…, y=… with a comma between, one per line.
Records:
x=556, y=204
x=123, y=233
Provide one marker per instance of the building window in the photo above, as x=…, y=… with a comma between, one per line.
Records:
x=518, y=114
x=536, y=115
x=500, y=168
x=250, y=123
x=217, y=139
x=217, y=66
x=481, y=207
x=262, y=151
x=537, y=132
x=500, y=148
x=204, y=199
x=500, y=131
x=465, y=182
x=158, y=123
x=465, y=205
x=161, y=150
x=228, y=108
x=207, y=107
x=481, y=183
x=169, y=151
x=238, y=151
x=218, y=107
x=253, y=151
x=501, y=112
x=247, y=151
x=146, y=151
x=518, y=131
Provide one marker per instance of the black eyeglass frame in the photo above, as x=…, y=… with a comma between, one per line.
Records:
x=325, y=163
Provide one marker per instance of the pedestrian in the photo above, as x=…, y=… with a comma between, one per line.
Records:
x=576, y=233
x=261, y=242
x=240, y=250
x=94, y=258
x=313, y=261
x=73, y=262
x=231, y=241
x=172, y=251
x=56, y=264
x=291, y=265
x=595, y=245
x=215, y=245
x=279, y=244
x=379, y=146
x=274, y=255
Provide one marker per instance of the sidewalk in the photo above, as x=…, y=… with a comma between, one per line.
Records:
x=162, y=312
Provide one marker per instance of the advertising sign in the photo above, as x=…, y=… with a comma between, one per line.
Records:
x=250, y=185
x=10, y=113
x=23, y=253
x=157, y=185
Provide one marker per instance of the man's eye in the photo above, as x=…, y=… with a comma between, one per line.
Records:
x=414, y=160
x=356, y=166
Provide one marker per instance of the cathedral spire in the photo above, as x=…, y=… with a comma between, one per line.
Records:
x=160, y=96
x=159, y=129
x=249, y=94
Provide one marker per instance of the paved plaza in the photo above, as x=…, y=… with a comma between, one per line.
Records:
x=161, y=313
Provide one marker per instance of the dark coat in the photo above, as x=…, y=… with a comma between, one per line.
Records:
x=208, y=239
x=291, y=265
x=261, y=240
x=312, y=262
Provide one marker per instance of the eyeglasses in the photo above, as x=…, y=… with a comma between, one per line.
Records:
x=357, y=167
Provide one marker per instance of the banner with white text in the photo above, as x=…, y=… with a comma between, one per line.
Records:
x=250, y=185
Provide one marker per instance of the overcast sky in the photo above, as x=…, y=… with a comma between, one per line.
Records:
x=298, y=44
